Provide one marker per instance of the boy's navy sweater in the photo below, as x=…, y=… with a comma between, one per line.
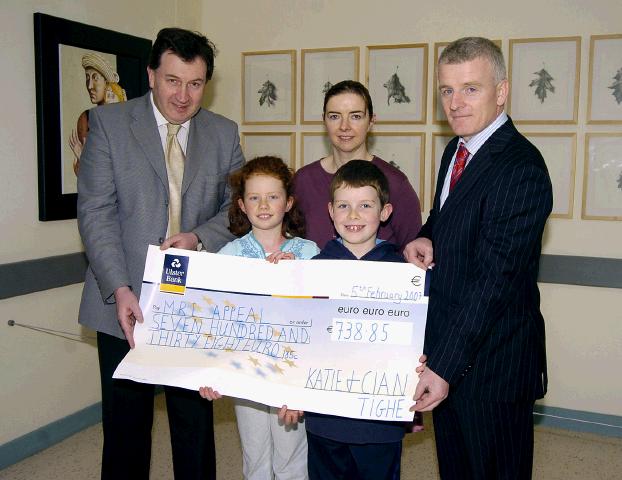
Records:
x=350, y=430
x=382, y=252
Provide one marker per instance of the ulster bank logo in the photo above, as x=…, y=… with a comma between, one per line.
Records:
x=174, y=273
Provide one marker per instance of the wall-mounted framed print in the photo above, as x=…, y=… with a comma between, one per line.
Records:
x=544, y=80
x=405, y=151
x=269, y=87
x=439, y=142
x=438, y=116
x=313, y=146
x=277, y=144
x=77, y=67
x=397, y=79
x=321, y=69
x=559, y=152
x=602, y=177
x=604, y=104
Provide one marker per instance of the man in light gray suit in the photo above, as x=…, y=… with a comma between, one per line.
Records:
x=123, y=206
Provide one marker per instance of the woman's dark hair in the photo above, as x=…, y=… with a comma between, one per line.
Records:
x=293, y=221
x=350, y=86
x=186, y=45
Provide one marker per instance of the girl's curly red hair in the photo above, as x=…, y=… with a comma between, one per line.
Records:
x=293, y=221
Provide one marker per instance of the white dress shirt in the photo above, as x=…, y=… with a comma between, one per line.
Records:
x=472, y=146
x=182, y=135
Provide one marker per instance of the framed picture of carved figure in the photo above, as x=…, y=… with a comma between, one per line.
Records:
x=602, y=177
x=269, y=87
x=77, y=67
x=278, y=144
x=544, y=80
x=397, y=79
x=604, y=104
x=321, y=69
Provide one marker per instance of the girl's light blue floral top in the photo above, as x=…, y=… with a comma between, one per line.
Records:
x=248, y=246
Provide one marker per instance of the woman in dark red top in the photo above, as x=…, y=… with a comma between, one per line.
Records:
x=348, y=117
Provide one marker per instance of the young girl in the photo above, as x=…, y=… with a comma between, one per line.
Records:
x=264, y=215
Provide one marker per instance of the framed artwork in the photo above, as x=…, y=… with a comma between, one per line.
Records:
x=439, y=142
x=397, y=79
x=77, y=67
x=544, y=80
x=559, y=152
x=313, y=146
x=605, y=81
x=278, y=144
x=321, y=69
x=269, y=87
x=405, y=151
x=602, y=178
x=438, y=116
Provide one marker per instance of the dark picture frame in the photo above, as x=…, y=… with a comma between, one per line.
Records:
x=50, y=33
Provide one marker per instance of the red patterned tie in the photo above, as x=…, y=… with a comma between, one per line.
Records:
x=461, y=157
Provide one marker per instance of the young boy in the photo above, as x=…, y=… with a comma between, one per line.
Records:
x=340, y=447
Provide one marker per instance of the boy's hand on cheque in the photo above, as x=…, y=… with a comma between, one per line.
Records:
x=289, y=417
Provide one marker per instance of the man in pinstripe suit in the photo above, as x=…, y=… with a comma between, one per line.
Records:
x=484, y=341
x=125, y=198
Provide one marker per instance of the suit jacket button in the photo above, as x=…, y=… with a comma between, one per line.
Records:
x=160, y=241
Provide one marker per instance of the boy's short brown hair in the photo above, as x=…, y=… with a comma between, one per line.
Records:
x=361, y=173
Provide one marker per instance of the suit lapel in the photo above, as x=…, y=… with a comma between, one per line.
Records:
x=145, y=131
x=481, y=162
x=442, y=171
x=201, y=140
x=477, y=166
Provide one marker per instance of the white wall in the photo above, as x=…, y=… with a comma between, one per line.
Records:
x=584, y=324
x=45, y=378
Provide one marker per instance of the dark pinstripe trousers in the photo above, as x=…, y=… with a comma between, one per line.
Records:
x=484, y=440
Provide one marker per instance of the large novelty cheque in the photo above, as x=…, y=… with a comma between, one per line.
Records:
x=329, y=336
